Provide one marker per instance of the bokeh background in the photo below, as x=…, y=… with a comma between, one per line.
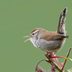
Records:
x=17, y=19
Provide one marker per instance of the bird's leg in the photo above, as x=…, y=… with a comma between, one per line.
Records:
x=49, y=54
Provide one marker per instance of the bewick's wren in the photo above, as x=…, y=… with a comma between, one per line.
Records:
x=48, y=40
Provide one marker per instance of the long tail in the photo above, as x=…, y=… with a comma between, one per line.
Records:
x=61, y=25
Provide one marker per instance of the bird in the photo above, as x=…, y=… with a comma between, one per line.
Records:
x=50, y=41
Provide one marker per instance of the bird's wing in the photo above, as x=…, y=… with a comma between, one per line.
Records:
x=50, y=36
x=61, y=24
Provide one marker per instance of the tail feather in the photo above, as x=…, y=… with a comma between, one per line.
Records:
x=61, y=26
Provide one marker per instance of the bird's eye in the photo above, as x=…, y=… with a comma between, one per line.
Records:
x=33, y=33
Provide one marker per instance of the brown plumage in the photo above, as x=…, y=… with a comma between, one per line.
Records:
x=53, y=36
x=50, y=40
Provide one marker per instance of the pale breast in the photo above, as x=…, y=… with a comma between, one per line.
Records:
x=48, y=45
x=33, y=41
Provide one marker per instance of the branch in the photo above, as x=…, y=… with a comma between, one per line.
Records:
x=53, y=62
x=66, y=59
x=37, y=68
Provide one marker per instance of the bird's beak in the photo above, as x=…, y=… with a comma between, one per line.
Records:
x=27, y=38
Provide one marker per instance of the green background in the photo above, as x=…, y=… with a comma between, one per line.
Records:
x=17, y=19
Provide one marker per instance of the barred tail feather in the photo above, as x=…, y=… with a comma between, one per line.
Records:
x=61, y=26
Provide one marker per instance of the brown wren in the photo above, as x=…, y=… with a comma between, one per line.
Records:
x=50, y=40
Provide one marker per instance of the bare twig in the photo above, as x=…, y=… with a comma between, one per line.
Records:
x=53, y=68
x=66, y=59
x=38, y=69
x=52, y=62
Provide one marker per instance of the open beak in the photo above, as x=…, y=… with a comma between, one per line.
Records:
x=27, y=39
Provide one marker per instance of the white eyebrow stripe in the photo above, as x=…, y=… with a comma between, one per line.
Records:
x=35, y=31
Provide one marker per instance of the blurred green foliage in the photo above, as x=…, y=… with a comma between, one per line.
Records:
x=17, y=19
